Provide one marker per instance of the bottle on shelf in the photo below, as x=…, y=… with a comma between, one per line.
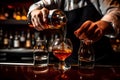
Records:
x=10, y=41
x=16, y=41
x=45, y=38
x=14, y=13
x=2, y=14
x=28, y=40
x=10, y=10
x=1, y=37
x=37, y=43
x=33, y=42
x=17, y=14
x=22, y=39
x=5, y=40
x=50, y=43
x=23, y=14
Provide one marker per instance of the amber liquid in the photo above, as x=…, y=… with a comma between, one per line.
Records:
x=62, y=54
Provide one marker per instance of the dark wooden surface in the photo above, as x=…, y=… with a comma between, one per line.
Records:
x=26, y=72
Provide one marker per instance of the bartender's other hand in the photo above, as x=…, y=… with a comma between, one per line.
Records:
x=39, y=18
x=93, y=30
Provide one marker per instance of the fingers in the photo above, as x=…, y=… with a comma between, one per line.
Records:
x=39, y=18
x=80, y=33
x=89, y=31
x=45, y=14
x=97, y=34
x=35, y=19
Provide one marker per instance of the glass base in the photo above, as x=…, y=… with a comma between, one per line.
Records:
x=40, y=69
x=62, y=66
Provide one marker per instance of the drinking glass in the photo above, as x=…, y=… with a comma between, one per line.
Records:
x=86, y=56
x=40, y=57
x=62, y=49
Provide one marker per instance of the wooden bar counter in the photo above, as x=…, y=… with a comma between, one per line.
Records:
x=26, y=72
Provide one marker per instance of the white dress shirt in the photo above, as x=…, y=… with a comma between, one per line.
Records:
x=110, y=9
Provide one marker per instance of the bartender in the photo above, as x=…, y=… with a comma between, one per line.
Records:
x=96, y=20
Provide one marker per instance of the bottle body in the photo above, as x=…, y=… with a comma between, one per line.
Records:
x=56, y=19
x=10, y=45
x=28, y=40
x=1, y=37
x=6, y=40
x=22, y=39
x=16, y=41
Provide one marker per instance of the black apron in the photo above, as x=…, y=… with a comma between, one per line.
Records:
x=102, y=48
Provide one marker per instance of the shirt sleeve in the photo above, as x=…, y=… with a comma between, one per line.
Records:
x=40, y=4
x=110, y=9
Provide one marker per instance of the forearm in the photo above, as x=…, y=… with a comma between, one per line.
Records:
x=114, y=18
x=111, y=11
x=37, y=5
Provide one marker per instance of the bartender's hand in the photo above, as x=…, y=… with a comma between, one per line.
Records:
x=39, y=18
x=93, y=30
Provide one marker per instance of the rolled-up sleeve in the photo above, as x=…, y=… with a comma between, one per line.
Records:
x=50, y=4
x=34, y=6
x=110, y=9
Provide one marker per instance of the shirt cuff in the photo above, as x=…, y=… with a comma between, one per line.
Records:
x=112, y=21
x=114, y=31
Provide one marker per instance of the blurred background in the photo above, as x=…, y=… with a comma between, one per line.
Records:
x=17, y=37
